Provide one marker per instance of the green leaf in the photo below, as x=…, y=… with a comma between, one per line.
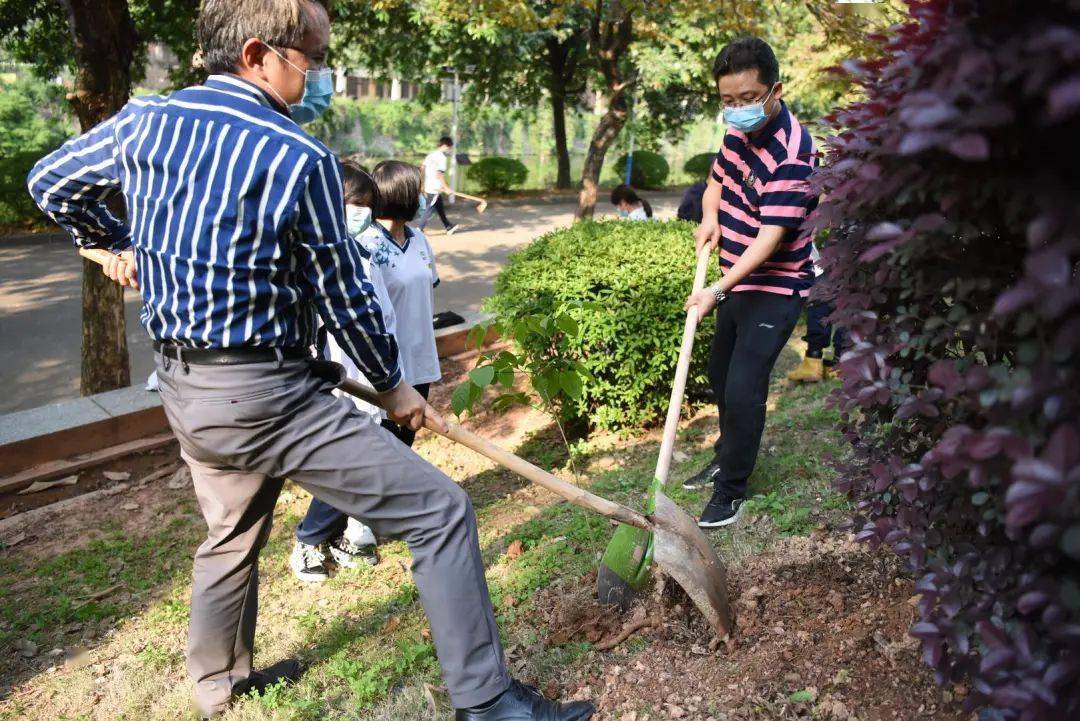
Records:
x=568, y=325
x=803, y=696
x=571, y=384
x=506, y=377
x=461, y=400
x=483, y=376
x=980, y=498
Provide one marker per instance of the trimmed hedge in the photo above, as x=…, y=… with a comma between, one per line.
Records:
x=699, y=165
x=498, y=175
x=641, y=274
x=649, y=169
x=953, y=262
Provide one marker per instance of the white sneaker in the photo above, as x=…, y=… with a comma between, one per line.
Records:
x=349, y=555
x=308, y=563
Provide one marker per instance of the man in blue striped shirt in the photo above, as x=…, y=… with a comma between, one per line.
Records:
x=235, y=234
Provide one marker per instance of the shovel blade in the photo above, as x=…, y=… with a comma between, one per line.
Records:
x=624, y=569
x=683, y=552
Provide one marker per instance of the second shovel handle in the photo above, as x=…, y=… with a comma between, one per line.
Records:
x=574, y=494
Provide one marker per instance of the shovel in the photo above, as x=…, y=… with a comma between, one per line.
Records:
x=679, y=547
x=482, y=204
x=624, y=569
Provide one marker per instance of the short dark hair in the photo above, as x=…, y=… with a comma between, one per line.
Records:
x=399, y=190
x=749, y=53
x=446, y=140
x=358, y=186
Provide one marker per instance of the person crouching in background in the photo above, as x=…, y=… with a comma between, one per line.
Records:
x=629, y=204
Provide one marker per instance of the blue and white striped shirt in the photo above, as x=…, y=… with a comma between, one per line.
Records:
x=237, y=220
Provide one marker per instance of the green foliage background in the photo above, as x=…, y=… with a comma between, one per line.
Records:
x=33, y=121
x=639, y=274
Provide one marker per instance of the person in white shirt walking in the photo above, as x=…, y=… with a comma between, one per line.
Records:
x=434, y=172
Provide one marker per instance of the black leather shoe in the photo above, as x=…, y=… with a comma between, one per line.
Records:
x=524, y=703
x=288, y=670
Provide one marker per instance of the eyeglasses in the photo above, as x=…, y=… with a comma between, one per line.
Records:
x=315, y=64
x=744, y=103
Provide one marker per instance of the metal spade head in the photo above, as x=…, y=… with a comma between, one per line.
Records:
x=683, y=552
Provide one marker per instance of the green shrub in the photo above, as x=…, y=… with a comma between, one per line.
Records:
x=33, y=121
x=639, y=274
x=699, y=165
x=497, y=175
x=16, y=207
x=649, y=169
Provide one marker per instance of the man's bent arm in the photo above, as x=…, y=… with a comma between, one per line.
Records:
x=73, y=184
x=331, y=264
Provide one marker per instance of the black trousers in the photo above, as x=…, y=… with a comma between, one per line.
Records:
x=752, y=328
x=435, y=204
x=820, y=333
x=322, y=521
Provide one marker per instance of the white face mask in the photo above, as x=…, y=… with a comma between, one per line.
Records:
x=357, y=219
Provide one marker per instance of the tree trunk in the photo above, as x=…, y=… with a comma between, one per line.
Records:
x=562, y=150
x=605, y=134
x=104, y=40
x=610, y=38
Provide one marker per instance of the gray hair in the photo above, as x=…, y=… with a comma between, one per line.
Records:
x=225, y=25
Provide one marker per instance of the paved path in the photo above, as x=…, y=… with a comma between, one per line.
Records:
x=40, y=307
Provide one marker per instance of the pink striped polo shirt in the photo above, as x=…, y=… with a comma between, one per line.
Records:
x=765, y=182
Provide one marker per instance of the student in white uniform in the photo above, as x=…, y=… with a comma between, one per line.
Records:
x=325, y=533
x=434, y=171
x=629, y=204
x=402, y=268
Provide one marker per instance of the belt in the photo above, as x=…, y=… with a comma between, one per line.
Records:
x=229, y=356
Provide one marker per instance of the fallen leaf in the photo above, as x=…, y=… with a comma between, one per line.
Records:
x=680, y=457
x=77, y=657
x=14, y=540
x=515, y=550
x=38, y=486
x=509, y=601
x=180, y=479
x=391, y=624
x=426, y=633
x=26, y=649
x=117, y=475
x=130, y=506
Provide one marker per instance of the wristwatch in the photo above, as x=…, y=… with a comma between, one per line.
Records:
x=718, y=293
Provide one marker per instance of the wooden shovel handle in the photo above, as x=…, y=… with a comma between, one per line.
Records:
x=97, y=255
x=682, y=370
x=577, y=496
x=470, y=197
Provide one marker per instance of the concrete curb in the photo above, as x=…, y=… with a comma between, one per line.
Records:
x=83, y=425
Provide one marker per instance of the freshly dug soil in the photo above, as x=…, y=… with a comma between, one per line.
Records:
x=822, y=633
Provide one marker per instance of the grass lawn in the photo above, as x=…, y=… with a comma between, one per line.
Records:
x=113, y=603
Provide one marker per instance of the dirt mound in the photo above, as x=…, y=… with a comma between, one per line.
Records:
x=822, y=633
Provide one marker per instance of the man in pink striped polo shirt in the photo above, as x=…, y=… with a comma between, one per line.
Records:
x=754, y=206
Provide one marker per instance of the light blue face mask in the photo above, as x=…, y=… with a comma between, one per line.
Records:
x=748, y=118
x=318, y=92
x=357, y=219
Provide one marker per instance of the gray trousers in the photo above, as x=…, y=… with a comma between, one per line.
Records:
x=242, y=430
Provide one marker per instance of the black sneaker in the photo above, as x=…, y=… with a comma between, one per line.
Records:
x=704, y=478
x=287, y=671
x=525, y=703
x=721, y=510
